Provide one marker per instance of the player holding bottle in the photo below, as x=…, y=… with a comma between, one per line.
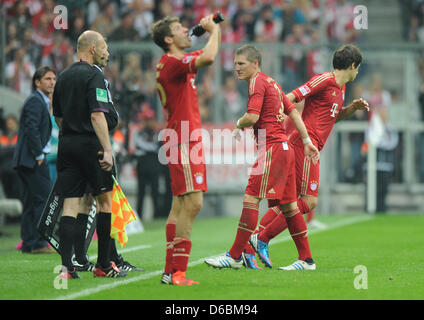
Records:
x=323, y=97
x=273, y=174
x=175, y=82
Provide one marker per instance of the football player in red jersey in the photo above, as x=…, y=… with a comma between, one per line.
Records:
x=175, y=83
x=323, y=96
x=273, y=175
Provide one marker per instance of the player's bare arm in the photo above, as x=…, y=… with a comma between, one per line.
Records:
x=311, y=151
x=357, y=104
x=299, y=105
x=247, y=121
x=210, y=51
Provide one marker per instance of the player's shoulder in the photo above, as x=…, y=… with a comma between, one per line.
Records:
x=254, y=82
x=321, y=78
x=259, y=80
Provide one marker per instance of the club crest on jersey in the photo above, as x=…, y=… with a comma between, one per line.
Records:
x=304, y=90
x=313, y=185
x=198, y=177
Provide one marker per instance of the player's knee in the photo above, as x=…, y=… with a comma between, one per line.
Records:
x=196, y=206
x=311, y=201
x=194, y=203
x=105, y=202
x=250, y=199
x=86, y=203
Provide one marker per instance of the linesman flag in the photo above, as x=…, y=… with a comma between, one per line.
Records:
x=122, y=214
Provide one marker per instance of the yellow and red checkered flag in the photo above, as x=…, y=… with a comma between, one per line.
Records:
x=122, y=214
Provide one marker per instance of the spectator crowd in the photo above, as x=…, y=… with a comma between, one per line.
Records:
x=33, y=41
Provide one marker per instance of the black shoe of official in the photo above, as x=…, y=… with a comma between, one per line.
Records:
x=66, y=274
x=88, y=266
x=110, y=272
x=125, y=265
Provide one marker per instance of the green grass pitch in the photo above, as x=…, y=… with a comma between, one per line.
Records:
x=388, y=247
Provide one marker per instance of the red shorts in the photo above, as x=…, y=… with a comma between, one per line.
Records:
x=273, y=175
x=188, y=173
x=307, y=174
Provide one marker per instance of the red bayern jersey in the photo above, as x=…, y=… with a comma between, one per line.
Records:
x=324, y=99
x=175, y=83
x=267, y=99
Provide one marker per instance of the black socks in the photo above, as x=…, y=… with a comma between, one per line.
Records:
x=80, y=231
x=66, y=242
x=104, y=239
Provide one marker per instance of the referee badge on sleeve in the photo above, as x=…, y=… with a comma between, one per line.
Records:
x=101, y=95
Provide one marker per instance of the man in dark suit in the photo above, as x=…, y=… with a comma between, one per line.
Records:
x=29, y=158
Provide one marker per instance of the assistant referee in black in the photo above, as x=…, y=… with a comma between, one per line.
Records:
x=84, y=112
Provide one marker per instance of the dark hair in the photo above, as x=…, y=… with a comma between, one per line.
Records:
x=345, y=56
x=162, y=29
x=251, y=53
x=39, y=74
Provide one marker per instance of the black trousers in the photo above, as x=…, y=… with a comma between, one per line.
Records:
x=37, y=186
x=148, y=175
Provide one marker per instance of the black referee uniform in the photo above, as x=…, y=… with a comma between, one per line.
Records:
x=80, y=90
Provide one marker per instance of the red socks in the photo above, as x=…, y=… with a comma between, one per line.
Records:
x=247, y=225
x=177, y=250
x=274, y=226
x=299, y=232
x=273, y=229
x=267, y=218
x=296, y=224
x=170, y=235
x=182, y=248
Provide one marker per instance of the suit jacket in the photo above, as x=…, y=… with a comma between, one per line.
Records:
x=35, y=129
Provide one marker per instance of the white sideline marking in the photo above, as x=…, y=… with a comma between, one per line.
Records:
x=87, y=292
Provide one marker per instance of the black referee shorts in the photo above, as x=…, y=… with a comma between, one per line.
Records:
x=78, y=167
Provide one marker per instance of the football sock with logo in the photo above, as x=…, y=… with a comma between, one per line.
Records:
x=80, y=230
x=181, y=254
x=170, y=235
x=299, y=232
x=104, y=239
x=66, y=241
x=247, y=225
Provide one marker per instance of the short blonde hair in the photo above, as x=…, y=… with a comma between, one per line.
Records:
x=251, y=53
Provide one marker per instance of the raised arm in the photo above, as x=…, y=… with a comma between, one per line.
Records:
x=210, y=51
